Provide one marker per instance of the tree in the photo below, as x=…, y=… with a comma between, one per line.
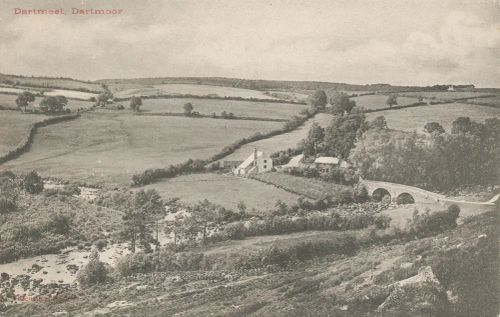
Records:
x=391, y=100
x=378, y=123
x=33, y=183
x=432, y=127
x=341, y=103
x=188, y=108
x=314, y=138
x=103, y=97
x=135, y=103
x=318, y=99
x=24, y=98
x=53, y=104
x=95, y=272
x=150, y=203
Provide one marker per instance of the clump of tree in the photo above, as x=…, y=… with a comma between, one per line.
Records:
x=313, y=144
x=53, y=104
x=24, y=99
x=33, y=183
x=104, y=97
x=342, y=133
x=188, y=109
x=95, y=272
x=440, y=161
x=318, y=99
x=392, y=100
x=342, y=104
x=135, y=103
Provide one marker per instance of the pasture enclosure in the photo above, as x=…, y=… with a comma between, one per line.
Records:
x=280, y=142
x=415, y=118
x=311, y=188
x=225, y=190
x=191, y=89
x=14, y=127
x=71, y=94
x=110, y=146
x=370, y=102
x=238, y=108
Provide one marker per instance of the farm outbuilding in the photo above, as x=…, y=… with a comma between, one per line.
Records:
x=257, y=162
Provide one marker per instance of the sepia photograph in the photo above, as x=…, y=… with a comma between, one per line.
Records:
x=263, y=158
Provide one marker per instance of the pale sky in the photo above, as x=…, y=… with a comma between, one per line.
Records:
x=403, y=42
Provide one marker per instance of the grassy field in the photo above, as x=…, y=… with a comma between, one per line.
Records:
x=209, y=106
x=14, y=127
x=487, y=101
x=10, y=101
x=226, y=190
x=444, y=95
x=308, y=187
x=415, y=118
x=112, y=146
x=280, y=142
x=378, y=101
x=198, y=90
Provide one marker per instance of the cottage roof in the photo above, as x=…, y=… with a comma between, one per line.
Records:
x=327, y=160
x=249, y=160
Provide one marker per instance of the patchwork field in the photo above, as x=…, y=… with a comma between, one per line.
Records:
x=62, y=83
x=280, y=142
x=14, y=128
x=191, y=89
x=308, y=187
x=378, y=101
x=415, y=118
x=209, y=106
x=110, y=146
x=445, y=95
x=225, y=190
x=10, y=101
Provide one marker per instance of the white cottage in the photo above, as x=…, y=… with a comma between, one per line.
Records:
x=256, y=163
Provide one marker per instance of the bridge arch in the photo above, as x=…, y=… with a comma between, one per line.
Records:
x=405, y=198
x=379, y=193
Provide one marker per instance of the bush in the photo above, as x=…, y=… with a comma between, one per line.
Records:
x=360, y=194
x=95, y=272
x=33, y=183
x=431, y=223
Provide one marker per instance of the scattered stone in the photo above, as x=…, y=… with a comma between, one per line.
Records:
x=142, y=287
x=419, y=295
x=60, y=313
x=72, y=268
x=482, y=236
x=344, y=308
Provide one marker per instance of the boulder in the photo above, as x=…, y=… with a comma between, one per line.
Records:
x=419, y=295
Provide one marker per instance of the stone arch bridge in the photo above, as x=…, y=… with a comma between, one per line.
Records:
x=409, y=194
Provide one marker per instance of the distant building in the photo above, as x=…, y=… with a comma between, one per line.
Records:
x=326, y=163
x=256, y=163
